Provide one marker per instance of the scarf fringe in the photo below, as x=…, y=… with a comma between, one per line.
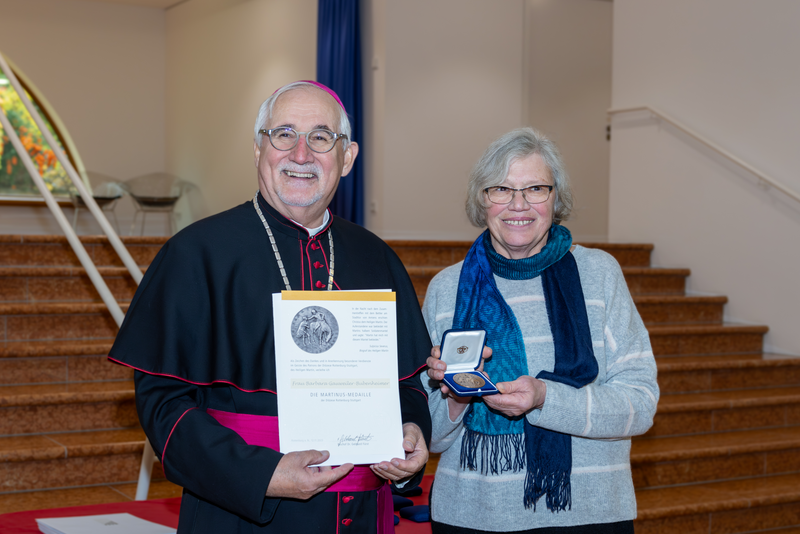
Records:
x=555, y=485
x=498, y=453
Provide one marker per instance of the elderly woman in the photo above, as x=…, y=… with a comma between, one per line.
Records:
x=569, y=354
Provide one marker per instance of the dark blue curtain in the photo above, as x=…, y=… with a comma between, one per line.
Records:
x=339, y=67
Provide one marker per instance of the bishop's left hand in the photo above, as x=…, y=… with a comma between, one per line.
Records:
x=398, y=470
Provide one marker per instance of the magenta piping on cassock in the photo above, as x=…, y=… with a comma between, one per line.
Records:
x=421, y=367
x=164, y=452
x=189, y=381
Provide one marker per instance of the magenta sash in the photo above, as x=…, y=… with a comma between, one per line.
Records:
x=262, y=430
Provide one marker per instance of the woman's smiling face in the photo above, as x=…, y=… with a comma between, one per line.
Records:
x=519, y=229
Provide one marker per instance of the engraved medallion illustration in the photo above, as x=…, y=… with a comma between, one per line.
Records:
x=469, y=380
x=314, y=329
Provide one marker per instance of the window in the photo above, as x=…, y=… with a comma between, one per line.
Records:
x=15, y=182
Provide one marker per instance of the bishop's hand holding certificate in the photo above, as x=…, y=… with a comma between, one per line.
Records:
x=336, y=365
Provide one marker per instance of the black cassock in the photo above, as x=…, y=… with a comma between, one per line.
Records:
x=199, y=333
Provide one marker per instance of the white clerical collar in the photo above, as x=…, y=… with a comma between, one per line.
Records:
x=314, y=231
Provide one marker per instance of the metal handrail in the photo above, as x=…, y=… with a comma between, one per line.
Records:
x=114, y=308
x=715, y=147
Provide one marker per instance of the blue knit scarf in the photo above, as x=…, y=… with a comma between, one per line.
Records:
x=511, y=443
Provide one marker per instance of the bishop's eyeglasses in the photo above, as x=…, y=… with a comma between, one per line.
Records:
x=319, y=140
x=535, y=194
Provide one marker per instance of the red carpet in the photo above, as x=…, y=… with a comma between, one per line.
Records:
x=163, y=511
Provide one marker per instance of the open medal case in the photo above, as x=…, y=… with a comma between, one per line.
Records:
x=461, y=351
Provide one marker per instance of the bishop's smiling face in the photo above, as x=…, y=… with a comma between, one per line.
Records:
x=518, y=229
x=299, y=183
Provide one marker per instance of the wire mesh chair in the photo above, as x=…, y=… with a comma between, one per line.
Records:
x=155, y=193
x=105, y=191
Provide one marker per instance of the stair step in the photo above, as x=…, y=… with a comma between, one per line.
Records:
x=655, y=281
x=101, y=494
x=29, y=349
x=37, y=409
x=685, y=374
x=35, y=395
x=52, y=250
x=626, y=254
x=735, y=506
x=43, y=284
x=42, y=321
x=60, y=369
x=70, y=445
x=43, y=362
x=71, y=459
x=722, y=411
x=673, y=309
x=706, y=339
x=717, y=456
x=430, y=253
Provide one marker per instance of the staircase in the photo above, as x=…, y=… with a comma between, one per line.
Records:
x=68, y=423
x=722, y=457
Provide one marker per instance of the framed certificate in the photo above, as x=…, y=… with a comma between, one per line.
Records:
x=336, y=365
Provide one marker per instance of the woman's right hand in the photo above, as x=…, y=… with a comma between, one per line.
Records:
x=436, y=367
x=436, y=370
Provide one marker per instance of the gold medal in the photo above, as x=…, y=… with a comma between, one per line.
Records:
x=469, y=380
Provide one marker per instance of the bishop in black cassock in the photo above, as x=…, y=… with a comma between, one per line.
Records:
x=199, y=335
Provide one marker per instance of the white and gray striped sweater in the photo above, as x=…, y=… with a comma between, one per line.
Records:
x=601, y=417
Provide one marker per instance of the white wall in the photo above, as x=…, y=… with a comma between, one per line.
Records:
x=449, y=79
x=224, y=58
x=568, y=75
x=727, y=69
x=102, y=67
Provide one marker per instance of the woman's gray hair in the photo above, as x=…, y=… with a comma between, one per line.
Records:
x=265, y=112
x=492, y=169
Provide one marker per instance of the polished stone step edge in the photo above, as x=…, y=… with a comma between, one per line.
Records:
x=728, y=399
x=678, y=299
x=722, y=496
x=33, y=349
x=36, y=271
x=700, y=330
x=84, y=392
x=667, y=364
x=70, y=445
x=676, y=448
x=55, y=308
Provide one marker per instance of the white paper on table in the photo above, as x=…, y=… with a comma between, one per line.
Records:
x=336, y=366
x=99, y=524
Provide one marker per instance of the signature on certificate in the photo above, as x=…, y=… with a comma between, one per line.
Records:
x=358, y=439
